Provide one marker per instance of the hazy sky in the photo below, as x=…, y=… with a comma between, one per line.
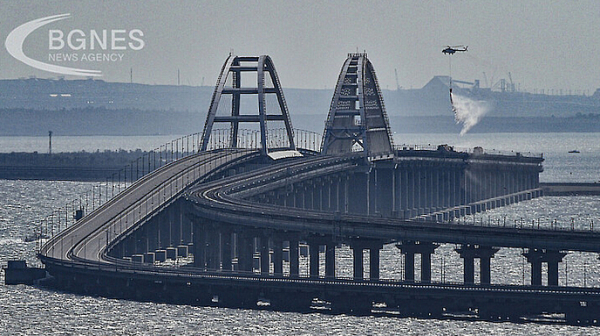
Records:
x=544, y=44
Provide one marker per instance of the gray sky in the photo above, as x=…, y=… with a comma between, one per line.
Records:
x=544, y=44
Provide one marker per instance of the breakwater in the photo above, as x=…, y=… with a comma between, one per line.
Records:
x=74, y=166
x=570, y=189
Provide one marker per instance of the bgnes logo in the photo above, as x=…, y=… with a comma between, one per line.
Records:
x=74, y=46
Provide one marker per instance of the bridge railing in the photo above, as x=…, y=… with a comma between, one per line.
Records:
x=277, y=138
x=64, y=217
x=61, y=218
x=470, y=150
x=140, y=202
x=539, y=223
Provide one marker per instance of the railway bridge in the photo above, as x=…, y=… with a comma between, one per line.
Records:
x=265, y=220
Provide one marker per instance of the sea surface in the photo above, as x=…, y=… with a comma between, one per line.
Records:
x=29, y=310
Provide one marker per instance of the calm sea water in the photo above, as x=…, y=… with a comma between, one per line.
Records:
x=26, y=310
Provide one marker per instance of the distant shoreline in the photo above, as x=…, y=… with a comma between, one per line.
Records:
x=105, y=122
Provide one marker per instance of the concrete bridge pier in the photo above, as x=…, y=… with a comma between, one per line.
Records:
x=536, y=257
x=199, y=247
x=317, y=194
x=330, y=201
x=358, y=199
x=277, y=256
x=294, y=257
x=245, y=251
x=383, y=191
x=226, y=250
x=295, y=196
x=313, y=251
x=213, y=249
x=152, y=233
x=175, y=226
x=265, y=255
x=184, y=222
x=409, y=249
x=358, y=247
x=401, y=191
x=315, y=244
x=164, y=230
x=468, y=253
x=330, y=260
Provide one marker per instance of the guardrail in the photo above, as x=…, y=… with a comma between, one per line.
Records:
x=156, y=197
x=177, y=149
x=539, y=223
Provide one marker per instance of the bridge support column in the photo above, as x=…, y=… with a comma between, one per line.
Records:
x=426, y=267
x=264, y=255
x=484, y=253
x=186, y=224
x=344, y=190
x=409, y=266
x=309, y=195
x=330, y=260
x=313, y=259
x=374, y=262
x=294, y=258
x=302, y=191
x=318, y=194
x=409, y=249
x=325, y=187
x=357, y=262
x=212, y=249
x=536, y=257
x=226, y=250
x=358, y=199
x=384, y=191
x=314, y=244
x=358, y=248
x=199, y=246
x=485, y=272
x=553, y=272
x=334, y=194
x=152, y=236
x=277, y=256
x=372, y=193
x=245, y=246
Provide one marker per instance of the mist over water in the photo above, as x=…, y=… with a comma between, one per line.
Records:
x=468, y=111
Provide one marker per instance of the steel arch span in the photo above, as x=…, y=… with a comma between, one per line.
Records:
x=357, y=120
x=243, y=76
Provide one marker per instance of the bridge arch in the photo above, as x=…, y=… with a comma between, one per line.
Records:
x=235, y=82
x=357, y=119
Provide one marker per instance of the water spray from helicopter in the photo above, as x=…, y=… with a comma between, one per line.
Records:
x=467, y=111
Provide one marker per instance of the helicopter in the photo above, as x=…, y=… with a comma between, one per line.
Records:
x=452, y=49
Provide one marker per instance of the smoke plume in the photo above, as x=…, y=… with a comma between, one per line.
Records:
x=467, y=111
